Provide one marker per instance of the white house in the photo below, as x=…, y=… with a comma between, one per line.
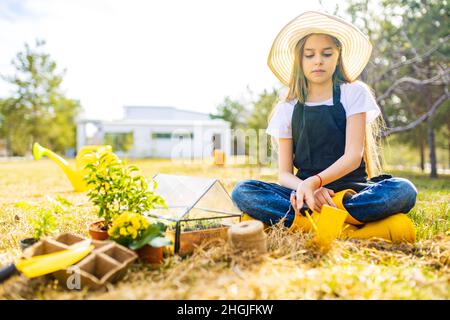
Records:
x=159, y=132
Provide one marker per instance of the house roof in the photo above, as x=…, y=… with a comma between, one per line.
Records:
x=161, y=116
x=146, y=122
x=162, y=113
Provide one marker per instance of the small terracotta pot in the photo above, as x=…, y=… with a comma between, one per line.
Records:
x=151, y=255
x=97, y=230
x=27, y=242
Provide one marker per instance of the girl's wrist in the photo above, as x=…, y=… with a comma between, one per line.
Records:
x=320, y=180
x=316, y=181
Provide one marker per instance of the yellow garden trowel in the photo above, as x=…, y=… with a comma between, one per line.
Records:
x=47, y=263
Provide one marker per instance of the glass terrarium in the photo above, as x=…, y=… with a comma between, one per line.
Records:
x=198, y=209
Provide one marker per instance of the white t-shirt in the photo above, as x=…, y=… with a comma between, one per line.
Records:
x=355, y=98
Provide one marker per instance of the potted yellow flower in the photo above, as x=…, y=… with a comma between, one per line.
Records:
x=116, y=188
x=139, y=233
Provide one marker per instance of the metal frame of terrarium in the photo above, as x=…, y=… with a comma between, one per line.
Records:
x=185, y=210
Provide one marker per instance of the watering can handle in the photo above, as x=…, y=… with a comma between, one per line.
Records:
x=7, y=272
x=305, y=209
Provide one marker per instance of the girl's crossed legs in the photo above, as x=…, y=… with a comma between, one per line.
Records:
x=270, y=202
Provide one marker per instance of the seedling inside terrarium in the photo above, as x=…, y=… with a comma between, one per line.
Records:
x=194, y=204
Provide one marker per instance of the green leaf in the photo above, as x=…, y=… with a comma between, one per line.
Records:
x=152, y=232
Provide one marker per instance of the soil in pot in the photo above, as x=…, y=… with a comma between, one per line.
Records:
x=98, y=230
x=27, y=242
x=151, y=255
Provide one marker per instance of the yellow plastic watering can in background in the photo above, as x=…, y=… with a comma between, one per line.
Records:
x=86, y=155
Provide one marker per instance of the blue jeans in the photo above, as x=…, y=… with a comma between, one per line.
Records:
x=270, y=202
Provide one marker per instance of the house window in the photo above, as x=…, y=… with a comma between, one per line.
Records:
x=119, y=141
x=168, y=135
x=180, y=136
x=161, y=135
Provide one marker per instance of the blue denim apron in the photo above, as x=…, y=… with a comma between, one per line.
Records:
x=318, y=134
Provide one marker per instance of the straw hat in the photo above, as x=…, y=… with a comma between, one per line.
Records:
x=356, y=47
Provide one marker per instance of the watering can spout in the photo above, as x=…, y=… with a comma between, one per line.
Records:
x=76, y=179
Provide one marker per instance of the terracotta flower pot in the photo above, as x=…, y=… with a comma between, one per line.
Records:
x=98, y=231
x=151, y=255
x=27, y=242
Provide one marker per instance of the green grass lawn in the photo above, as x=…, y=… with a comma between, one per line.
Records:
x=292, y=269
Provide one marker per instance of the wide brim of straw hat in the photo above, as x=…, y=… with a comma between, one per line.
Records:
x=356, y=47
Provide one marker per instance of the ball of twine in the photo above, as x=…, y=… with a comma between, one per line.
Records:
x=248, y=236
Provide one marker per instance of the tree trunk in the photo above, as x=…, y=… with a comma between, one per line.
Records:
x=422, y=155
x=8, y=145
x=430, y=130
x=448, y=127
x=431, y=144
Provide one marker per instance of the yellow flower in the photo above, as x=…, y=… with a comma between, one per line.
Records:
x=145, y=223
x=130, y=229
x=129, y=224
x=135, y=222
x=120, y=220
x=111, y=231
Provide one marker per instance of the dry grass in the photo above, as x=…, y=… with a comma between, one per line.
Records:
x=292, y=269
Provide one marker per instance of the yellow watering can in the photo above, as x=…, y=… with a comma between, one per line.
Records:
x=86, y=155
x=334, y=222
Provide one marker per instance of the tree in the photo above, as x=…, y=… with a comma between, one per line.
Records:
x=259, y=116
x=410, y=69
x=262, y=108
x=37, y=109
x=232, y=111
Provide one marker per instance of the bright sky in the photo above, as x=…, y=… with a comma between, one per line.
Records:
x=184, y=54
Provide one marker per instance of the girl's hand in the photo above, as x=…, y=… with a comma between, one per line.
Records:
x=323, y=196
x=305, y=192
x=294, y=202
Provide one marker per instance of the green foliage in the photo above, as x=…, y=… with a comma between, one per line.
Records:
x=43, y=222
x=259, y=117
x=431, y=214
x=49, y=217
x=232, y=111
x=119, y=141
x=38, y=109
x=253, y=118
x=262, y=108
x=153, y=236
x=116, y=188
x=63, y=201
x=201, y=224
x=410, y=41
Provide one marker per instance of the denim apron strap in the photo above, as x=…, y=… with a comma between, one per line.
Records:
x=318, y=134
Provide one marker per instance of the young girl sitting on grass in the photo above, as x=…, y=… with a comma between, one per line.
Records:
x=326, y=128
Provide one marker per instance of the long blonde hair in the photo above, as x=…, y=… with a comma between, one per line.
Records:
x=298, y=90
